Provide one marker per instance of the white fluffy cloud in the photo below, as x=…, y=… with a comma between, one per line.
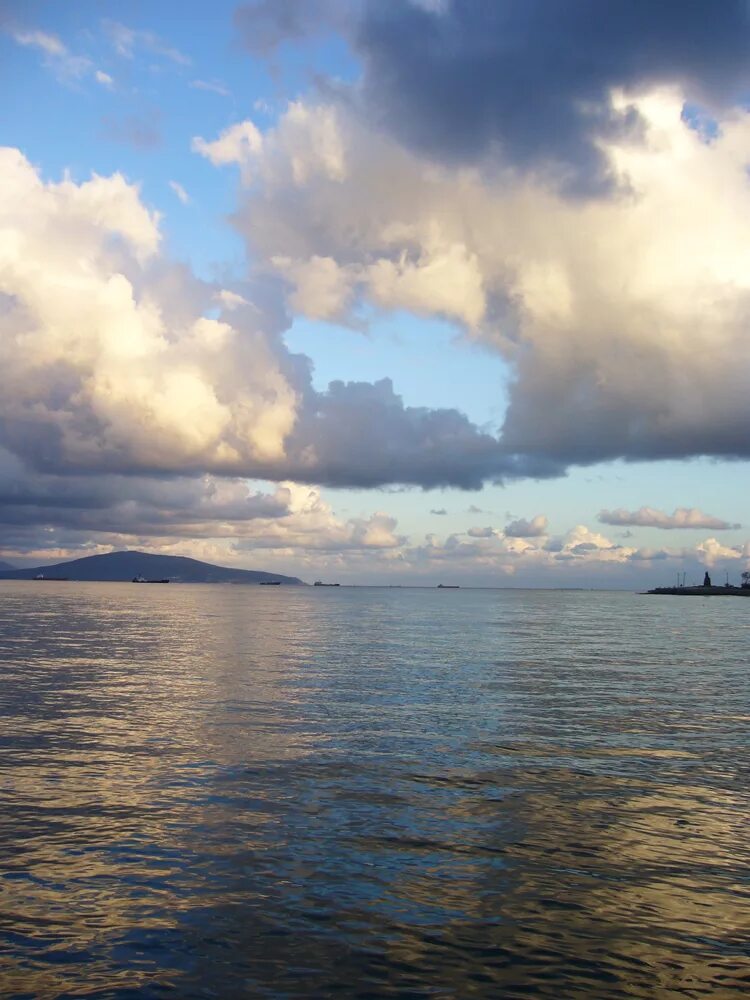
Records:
x=623, y=317
x=99, y=368
x=112, y=360
x=712, y=551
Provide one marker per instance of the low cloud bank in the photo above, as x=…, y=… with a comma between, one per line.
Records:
x=682, y=517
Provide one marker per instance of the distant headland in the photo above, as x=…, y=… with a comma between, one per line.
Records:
x=707, y=589
x=113, y=567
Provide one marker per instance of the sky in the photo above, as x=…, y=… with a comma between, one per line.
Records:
x=418, y=292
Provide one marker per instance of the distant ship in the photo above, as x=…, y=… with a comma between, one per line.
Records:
x=270, y=583
x=448, y=586
x=319, y=583
x=41, y=576
x=142, y=579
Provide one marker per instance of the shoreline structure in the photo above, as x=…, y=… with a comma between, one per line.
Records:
x=726, y=591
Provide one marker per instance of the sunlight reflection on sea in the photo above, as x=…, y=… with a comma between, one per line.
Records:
x=227, y=791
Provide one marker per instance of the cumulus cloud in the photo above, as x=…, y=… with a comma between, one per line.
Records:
x=321, y=289
x=110, y=363
x=237, y=144
x=623, y=320
x=487, y=532
x=648, y=517
x=522, y=528
x=579, y=555
x=229, y=299
x=530, y=82
x=713, y=551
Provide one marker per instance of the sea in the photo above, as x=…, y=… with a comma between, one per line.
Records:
x=237, y=791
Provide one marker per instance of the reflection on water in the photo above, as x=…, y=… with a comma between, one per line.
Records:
x=229, y=791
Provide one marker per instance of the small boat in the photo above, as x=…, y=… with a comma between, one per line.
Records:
x=270, y=583
x=448, y=586
x=142, y=579
x=41, y=576
x=319, y=583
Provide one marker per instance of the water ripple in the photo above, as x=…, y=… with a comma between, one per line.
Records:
x=223, y=791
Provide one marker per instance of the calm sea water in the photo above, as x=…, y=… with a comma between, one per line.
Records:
x=278, y=792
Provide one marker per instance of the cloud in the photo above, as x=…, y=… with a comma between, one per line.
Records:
x=582, y=543
x=159, y=510
x=440, y=511
x=526, y=84
x=112, y=364
x=522, y=528
x=648, y=517
x=126, y=41
x=142, y=131
x=265, y=24
x=230, y=300
x=361, y=433
x=211, y=86
x=622, y=320
x=321, y=289
x=66, y=66
x=49, y=44
x=481, y=532
x=236, y=144
x=712, y=551
x=180, y=191
x=103, y=78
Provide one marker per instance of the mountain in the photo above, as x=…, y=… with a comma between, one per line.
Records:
x=6, y=565
x=125, y=565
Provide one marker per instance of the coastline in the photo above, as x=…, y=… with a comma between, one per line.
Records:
x=701, y=591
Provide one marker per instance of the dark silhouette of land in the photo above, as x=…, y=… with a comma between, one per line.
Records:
x=702, y=591
x=116, y=566
x=5, y=566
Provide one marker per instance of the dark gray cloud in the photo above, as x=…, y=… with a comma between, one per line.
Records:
x=266, y=24
x=530, y=80
x=564, y=408
x=523, y=528
x=533, y=78
x=440, y=511
x=142, y=131
x=190, y=506
x=360, y=434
